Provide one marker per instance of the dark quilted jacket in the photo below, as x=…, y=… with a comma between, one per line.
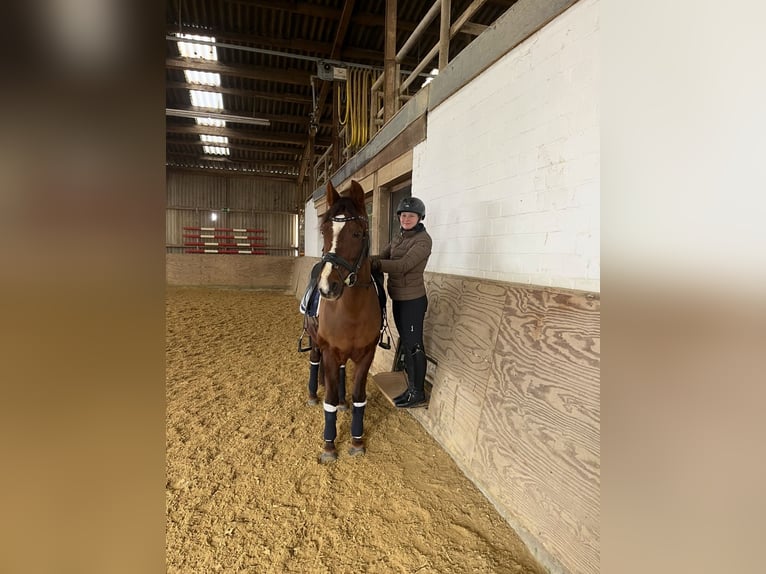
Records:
x=405, y=259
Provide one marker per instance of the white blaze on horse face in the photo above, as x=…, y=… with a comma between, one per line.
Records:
x=324, y=277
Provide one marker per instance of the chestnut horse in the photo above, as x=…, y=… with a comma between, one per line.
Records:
x=349, y=319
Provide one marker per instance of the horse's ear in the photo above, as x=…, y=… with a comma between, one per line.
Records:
x=357, y=195
x=332, y=194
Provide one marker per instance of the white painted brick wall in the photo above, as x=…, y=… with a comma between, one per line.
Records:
x=312, y=246
x=509, y=170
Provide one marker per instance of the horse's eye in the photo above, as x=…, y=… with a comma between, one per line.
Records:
x=357, y=234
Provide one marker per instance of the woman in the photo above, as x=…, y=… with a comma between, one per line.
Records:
x=405, y=259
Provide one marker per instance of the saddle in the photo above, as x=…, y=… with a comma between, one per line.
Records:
x=310, y=300
x=309, y=306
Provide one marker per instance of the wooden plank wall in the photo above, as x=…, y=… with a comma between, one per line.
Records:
x=211, y=269
x=515, y=401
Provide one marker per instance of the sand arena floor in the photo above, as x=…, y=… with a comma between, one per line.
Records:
x=244, y=490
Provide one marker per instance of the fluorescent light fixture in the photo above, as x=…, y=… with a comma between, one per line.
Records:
x=210, y=100
x=214, y=139
x=214, y=216
x=215, y=150
x=211, y=117
x=203, y=78
x=196, y=50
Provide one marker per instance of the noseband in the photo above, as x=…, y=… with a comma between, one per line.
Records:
x=337, y=261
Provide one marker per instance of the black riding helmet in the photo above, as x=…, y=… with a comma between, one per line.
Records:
x=412, y=205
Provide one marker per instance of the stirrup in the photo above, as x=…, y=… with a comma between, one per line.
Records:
x=384, y=344
x=301, y=348
x=385, y=331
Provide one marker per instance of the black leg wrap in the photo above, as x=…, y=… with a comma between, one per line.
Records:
x=313, y=374
x=357, y=421
x=329, y=423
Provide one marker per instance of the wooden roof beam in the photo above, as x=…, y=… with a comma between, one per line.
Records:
x=278, y=96
x=253, y=72
x=251, y=135
x=277, y=118
x=295, y=152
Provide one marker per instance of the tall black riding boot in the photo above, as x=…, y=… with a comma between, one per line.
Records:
x=415, y=395
x=409, y=368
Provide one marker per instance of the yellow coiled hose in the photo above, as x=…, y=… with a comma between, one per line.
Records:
x=356, y=117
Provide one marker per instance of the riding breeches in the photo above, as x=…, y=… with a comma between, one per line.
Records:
x=408, y=317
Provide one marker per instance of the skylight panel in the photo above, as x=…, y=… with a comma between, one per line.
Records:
x=204, y=78
x=213, y=100
x=211, y=122
x=215, y=150
x=195, y=50
x=214, y=139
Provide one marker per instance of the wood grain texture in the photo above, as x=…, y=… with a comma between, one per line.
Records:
x=391, y=384
x=538, y=441
x=460, y=329
x=515, y=401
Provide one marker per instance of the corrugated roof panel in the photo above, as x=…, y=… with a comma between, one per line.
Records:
x=308, y=28
x=205, y=78
x=191, y=49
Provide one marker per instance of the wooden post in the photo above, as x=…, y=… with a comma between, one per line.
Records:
x=336, y=87
x=312, y=167
x=391, y=83
x=444, y=34
x=380, y=216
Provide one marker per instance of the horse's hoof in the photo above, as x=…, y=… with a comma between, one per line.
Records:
x=342, y=407
x=356, y=451
x=312, y=402
x=328, y=457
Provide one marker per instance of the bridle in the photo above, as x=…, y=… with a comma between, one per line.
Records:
x=337, y=261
